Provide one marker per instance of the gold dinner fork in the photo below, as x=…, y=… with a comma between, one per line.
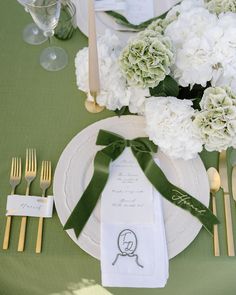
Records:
x=45, y=181
x=15, y=178
x=30, y=174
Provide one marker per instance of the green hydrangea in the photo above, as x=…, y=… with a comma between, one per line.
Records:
x=160, y=24
x=218, y=6
x=157, y=26
x=217, y=97
x=146, y=60
x=217, y=119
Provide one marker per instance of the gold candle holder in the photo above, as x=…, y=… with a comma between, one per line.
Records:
x=92, y=106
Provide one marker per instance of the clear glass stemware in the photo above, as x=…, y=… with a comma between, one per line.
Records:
x=45, y=14
x=31, y=33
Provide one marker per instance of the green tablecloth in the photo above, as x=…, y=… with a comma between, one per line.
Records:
x=45, y=110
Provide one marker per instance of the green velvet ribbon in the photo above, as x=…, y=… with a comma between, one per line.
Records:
x=142, y=149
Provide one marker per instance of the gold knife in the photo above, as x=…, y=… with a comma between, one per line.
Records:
x=227, y=206
x=234, y=183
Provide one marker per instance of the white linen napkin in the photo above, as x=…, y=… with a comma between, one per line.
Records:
x=133, y=254
x=163, y=6
x=136, y=11
x=106, y=5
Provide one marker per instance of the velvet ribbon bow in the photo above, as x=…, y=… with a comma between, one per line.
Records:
x=142, y=149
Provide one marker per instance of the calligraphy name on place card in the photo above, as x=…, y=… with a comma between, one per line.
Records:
x=33, y=206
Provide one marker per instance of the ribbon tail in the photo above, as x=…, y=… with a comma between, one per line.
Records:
x=172, y=193
x=88, y=201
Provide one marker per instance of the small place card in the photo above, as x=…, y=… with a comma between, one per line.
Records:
x=128, y=193
x=33, y=206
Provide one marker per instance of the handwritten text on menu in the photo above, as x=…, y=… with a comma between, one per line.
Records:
x=128, y=193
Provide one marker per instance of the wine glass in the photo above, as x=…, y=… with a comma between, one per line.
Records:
x=45, y=14
x=31, y=33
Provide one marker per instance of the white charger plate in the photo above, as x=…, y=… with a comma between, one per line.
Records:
x=75, y=168
x=104, y=21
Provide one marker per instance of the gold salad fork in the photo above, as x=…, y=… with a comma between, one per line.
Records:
x=30, y=174
x=15, y=178
x=45, y=181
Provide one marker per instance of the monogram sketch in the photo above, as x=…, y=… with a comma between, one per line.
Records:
x=127, y=244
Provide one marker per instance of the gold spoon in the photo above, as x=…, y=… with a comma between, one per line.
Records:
x=214, y=181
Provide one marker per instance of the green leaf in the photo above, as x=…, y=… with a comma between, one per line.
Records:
x=167, y=87
x=123, y=111
x=120, y=19
x=196, y=103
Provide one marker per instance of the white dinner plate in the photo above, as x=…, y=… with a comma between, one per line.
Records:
x=104, y=21
x=75, y=168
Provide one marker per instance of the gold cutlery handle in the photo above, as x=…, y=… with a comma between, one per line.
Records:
x=39, y=236
x=229, y=227
x=215, y=229
x=21, y=243
x=7, y=228
x=7, y=233
x=234, y=183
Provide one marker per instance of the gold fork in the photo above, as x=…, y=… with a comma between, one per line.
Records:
x=45, y=181
x=15, y=178
x=30, y=174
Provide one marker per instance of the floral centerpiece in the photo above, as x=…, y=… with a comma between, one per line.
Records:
x=179, y=72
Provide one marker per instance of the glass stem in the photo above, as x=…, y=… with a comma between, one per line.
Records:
x=50, y=41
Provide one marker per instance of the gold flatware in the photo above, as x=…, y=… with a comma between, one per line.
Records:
x=45, y=181
x=94, y=81
x=214, y=181
x=30, y=174
x=227, y=205
x=233, y=163
x=15, y=178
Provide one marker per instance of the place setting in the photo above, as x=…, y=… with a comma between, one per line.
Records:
x=107, y=167
x=110, y=15
x=28, y=205
x=133, y=190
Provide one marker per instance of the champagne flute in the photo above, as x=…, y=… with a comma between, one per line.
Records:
x=45, y=14
x=31, y=33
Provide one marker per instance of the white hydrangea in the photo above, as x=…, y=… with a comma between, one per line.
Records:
x=205, y=45
x=224, y=52
x=189, y=33
x=183, y=6
x=217, y=119
x=169, y=125
x=114, y=93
